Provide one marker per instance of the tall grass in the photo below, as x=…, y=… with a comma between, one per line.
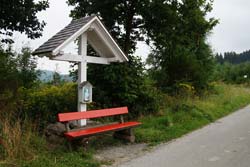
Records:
x=181, y=115
x=21, y=145
x=16, y=138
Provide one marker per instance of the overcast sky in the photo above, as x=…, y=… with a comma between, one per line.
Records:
x=232, y=34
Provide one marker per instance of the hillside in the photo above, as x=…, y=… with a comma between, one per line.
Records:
x=47, y=76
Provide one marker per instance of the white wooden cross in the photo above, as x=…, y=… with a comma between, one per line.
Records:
x=89, y=29
x=82, y=59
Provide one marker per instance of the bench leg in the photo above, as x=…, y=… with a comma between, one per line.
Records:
x=126, y=134
x=70, y=145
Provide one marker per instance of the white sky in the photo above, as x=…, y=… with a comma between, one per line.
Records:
x=232, y=34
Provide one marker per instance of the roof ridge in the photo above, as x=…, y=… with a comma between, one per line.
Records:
x=84, y=18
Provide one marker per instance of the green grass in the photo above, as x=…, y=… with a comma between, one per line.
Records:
x=184, y=115
x=62, y=158
x=44, y=156
x=178, y=116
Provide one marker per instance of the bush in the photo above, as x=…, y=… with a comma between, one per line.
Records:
x=236, y=74
x=124, y=84
x=44, y=104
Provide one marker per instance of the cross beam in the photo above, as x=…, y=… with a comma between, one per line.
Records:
x=82, y=59
x=78, y=58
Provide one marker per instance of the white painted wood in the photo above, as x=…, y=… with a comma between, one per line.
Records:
x=96, y=25
x=113, y=42
x=104, y=45
x=82, y=74
x=90, y=59
x=99, y=45
x=73, y=37
x=97, y=60
x=68, y=57
x=103, y=37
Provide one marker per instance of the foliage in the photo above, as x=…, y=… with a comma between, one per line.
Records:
x=119, y=84
x=62, y=158
x=21, y=145
x=8, y=75
x=42, y=105
x=123, y=84
x=177, y=117
x=26, y=66
x=118, y=16
x=181, y=116
x=236, y=74
x=16, y=138
x=180, y=53
x=16, y=70
x=20, y=15
x=233, y=58
x=56, y=78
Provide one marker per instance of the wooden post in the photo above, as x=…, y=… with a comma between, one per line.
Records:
x=126, y=134
x=67, y=130
x=82, y=74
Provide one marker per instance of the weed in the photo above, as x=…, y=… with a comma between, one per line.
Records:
x=183, y=115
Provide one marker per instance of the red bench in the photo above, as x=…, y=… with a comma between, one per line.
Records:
x=122, y=128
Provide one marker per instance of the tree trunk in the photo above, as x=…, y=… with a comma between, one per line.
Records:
x=129, y=27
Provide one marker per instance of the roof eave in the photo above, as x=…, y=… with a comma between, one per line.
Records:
x=73, y=37
x=118, y=54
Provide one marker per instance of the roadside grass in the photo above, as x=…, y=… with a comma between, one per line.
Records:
x=62, y=157
x=22, y=146
x=184, y=115
x=178, y=116
x=43, y=156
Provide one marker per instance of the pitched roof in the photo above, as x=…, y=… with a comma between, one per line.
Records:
x=62, y=35
x=97, y=35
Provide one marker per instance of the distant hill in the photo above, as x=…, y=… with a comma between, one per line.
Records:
x=47, y=76
x=233, y=57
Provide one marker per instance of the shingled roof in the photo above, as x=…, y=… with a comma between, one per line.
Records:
x=62, y=35
x=97, y=36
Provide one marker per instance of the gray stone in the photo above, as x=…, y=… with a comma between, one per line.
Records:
x=54, y=133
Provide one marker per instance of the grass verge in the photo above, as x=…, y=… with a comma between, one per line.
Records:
x=183, y=115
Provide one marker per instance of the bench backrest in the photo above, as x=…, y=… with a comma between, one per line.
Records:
x=65, y=117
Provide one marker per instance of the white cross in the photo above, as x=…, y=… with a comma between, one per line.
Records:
x=82, y=59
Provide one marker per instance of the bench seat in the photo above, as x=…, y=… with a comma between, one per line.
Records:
x=122, y=130
x=92, y=131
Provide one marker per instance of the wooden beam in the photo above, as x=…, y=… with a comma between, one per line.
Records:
x=123, y=57
x=78, y=58
x=97, y=60
x=68, y=57
x=82, y=75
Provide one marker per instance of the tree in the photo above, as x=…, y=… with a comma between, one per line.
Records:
x=178, y=31
x=219, y=58
x=26, y=66
x=20, y=15
x=8, y=73
x=118, y=84
x=56, y=78
x=233, y=58
x=121, y=17
x=16, y=70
